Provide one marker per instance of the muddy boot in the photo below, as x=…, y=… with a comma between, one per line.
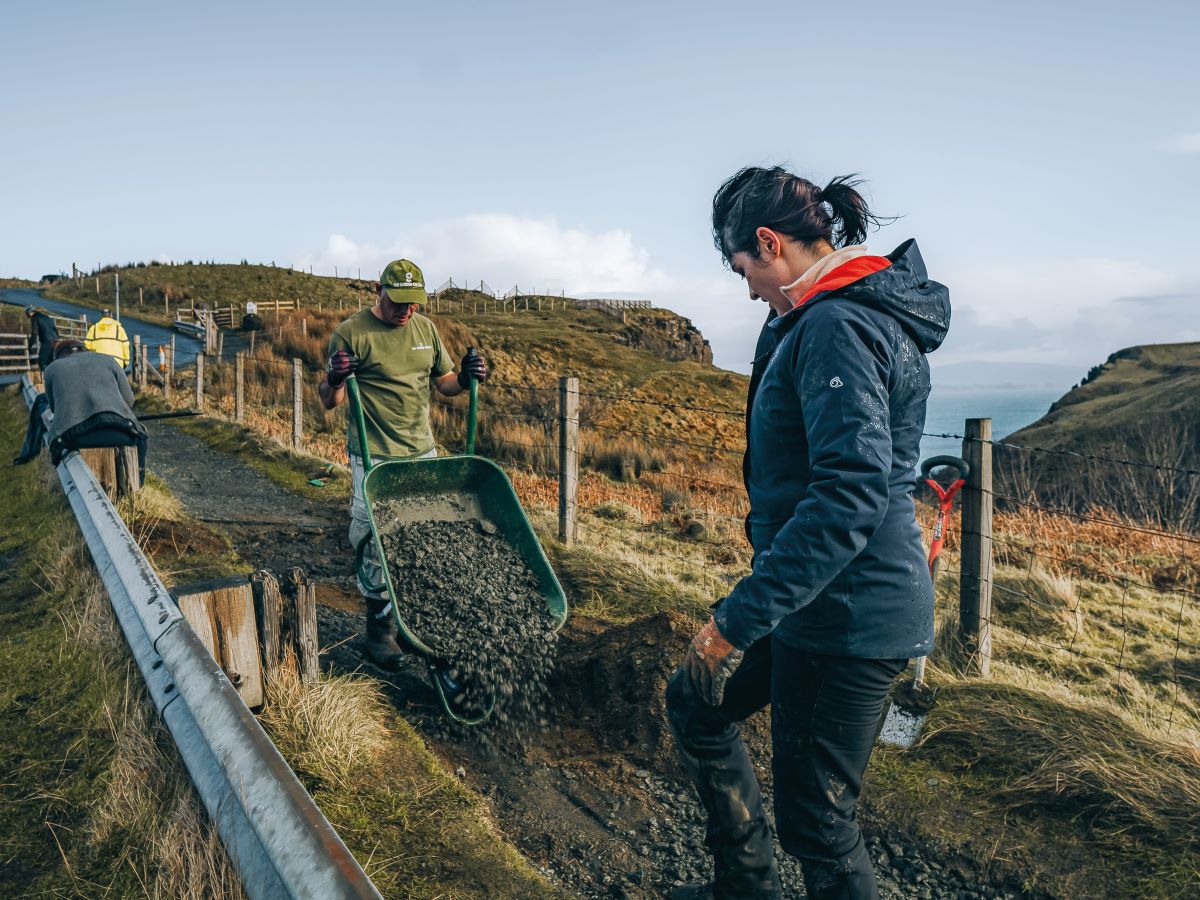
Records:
x=381, y=645
x=695, y=891
x=708, y=890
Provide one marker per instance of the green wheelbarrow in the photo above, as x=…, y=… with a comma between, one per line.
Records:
x=446, y=489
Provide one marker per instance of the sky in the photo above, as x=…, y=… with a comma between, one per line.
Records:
x=1045, y=156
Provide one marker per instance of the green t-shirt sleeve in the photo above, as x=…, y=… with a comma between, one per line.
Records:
x=337, y=341
x=442, y=363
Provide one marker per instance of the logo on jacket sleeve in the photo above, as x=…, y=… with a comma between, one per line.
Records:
x=836, y=382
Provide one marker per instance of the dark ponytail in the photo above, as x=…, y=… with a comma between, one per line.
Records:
x=793, y=206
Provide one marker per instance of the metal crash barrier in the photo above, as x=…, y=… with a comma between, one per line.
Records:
x=276, y=837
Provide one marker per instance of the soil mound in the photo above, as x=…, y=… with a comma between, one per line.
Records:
x=611, y=680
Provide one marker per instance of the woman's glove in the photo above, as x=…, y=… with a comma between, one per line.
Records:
x=472, y=366
x=709, y=662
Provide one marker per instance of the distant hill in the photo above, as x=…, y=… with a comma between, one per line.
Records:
x=1143, y=405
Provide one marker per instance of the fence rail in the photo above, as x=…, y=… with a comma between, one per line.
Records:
x=15, y=355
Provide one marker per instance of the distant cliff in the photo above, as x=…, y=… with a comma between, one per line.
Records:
x=666, y=334
x=1143, y=405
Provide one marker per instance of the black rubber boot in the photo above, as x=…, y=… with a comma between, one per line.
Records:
x=382, y=648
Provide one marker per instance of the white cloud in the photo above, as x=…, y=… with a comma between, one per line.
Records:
x=1050, y=292
x=505, y=250
x=1183, y=143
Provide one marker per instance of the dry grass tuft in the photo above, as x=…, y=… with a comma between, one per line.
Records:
x=333, y=727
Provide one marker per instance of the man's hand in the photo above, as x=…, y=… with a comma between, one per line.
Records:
x=709, y=662
x=472, y=366
x=338, y=368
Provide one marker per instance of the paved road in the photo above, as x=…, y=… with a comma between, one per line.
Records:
x=151, y=334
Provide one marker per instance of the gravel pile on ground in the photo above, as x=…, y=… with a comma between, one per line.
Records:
x=670, y=850
x=466, y=593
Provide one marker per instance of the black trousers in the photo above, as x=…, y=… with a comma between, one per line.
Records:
x=825, y=712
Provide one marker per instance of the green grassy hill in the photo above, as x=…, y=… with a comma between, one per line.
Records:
x=1142, y=404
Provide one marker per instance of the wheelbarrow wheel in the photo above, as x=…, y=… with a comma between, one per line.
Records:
x=452, y=694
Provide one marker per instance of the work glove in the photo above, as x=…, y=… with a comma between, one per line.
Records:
x=709, y=662
x=338, y=368
x=472, y=366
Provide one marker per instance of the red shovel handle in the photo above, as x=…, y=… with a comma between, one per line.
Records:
x=945, y=497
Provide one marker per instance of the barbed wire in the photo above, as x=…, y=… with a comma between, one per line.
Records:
x=1097, y=457
x=708, y=448
x=664, y=405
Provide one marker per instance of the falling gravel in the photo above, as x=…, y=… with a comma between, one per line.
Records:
x=467, y=594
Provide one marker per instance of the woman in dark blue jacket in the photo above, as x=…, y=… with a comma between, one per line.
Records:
x=839, y=596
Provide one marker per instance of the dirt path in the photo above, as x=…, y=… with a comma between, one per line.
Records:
x=596, y=800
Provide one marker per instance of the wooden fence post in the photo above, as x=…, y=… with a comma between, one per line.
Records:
x=297, y=404
x=170, y=379
x=220, y=346
x=139, y=376
x=199, y=382
x=568, y=457
x=239, y=387
x=975, y=582
x=143, y=369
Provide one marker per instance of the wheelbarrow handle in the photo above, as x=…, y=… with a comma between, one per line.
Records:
x=473, y=406
x=360, y=425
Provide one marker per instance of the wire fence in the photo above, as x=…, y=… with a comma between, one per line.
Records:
x=1084, y=599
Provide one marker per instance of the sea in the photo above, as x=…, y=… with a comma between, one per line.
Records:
x=1010, y=409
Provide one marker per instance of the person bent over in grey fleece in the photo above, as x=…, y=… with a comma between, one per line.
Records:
x=92, y=403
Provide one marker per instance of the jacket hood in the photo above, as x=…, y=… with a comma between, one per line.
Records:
x=901, y=288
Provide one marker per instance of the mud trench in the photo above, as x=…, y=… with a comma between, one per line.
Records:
x=596, y=799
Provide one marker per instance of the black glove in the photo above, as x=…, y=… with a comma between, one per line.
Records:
x=338, y=368
x=472, y=366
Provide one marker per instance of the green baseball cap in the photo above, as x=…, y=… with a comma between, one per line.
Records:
x=403, y=282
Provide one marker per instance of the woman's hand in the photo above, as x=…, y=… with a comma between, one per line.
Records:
x=709, y=662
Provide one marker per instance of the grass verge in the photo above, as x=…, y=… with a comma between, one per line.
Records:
x=94, y=801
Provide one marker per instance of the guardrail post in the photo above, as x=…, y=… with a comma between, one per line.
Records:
x=568, y=457
x=239, y=387
x=297, y=404
x=975, y=582
x=302, y=624
x=199, y=382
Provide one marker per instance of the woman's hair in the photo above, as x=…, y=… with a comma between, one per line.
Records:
x=67, y=347
x=795, y=207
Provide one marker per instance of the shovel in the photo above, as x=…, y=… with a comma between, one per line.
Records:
x=912, y=699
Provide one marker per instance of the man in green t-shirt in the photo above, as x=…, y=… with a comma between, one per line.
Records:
x=396, y=354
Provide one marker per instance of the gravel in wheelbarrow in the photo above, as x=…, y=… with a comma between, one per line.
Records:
x=467, y=594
